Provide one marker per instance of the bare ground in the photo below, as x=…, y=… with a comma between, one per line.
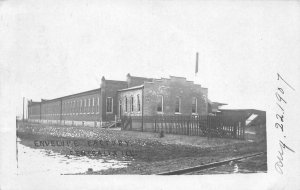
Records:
x=151, y=154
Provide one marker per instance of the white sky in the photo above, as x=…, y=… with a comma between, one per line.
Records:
x=59, y=47
x=53, y=48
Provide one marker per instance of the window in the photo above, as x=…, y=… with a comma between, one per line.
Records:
x=84, y=110
x=109, y=105
x=126, y=104
x=89, y=106
x=93, y=104
x=131, y=104
x=194, y=105
x=98, y=105
x=81, y=106
x=177, y=105
x=138, y=103
x=70, y=107
x=160, y=103
x=63, y=108
x=120, y=107
x=74, y=107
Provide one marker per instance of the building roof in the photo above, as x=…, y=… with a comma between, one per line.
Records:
x=69, y=96
x=219, y=104
x=132, y=88
x=255, y=110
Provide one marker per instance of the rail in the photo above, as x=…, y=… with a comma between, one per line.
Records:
x=207, y=166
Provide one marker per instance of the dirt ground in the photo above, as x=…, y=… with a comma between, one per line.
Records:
x=148, y=153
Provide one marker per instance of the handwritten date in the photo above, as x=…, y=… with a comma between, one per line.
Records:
x=280, y=118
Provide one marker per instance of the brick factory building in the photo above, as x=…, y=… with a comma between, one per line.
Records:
x=138, y=96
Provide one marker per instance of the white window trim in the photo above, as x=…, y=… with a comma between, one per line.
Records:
x=112, y=105
x=162, y=105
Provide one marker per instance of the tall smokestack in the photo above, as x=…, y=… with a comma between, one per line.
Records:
x=196, y=69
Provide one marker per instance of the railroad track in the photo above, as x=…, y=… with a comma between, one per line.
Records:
x=208, y=166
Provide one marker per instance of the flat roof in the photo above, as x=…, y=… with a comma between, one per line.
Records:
x=69, y=96
x=219, y=103
x=242, y=110
x=131, y=88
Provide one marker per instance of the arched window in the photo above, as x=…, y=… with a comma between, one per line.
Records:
x=131, y=104
x=138, y=103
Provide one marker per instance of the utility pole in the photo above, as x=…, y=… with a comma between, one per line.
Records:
x=23, y=108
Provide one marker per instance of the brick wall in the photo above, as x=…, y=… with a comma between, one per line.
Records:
x=50, y=109
x=81, y=107
x=136, y=81
x=170, y=89
x=91, y=105
x=109, y=89
x=136, y=96
x=34, y=110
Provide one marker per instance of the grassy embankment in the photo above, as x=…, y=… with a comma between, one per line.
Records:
x=148, y=153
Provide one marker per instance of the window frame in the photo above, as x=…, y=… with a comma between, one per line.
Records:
x=196, y=107
x=126, y=104
x=112, y=103
x=93, y=104
x=131, y=104
x=161, y=97
x=98, y=103
x=179, y=105
x=89, y=105
x=138, y=103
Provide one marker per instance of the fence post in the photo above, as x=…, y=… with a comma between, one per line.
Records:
x=142, y=123
x=188, y=127
x=239, y=130
x=208, y=127
x=243, y=126
x=130, y=120
x=155, y=125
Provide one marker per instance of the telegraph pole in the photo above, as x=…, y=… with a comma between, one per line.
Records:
x=196, y=69
x=23, y=108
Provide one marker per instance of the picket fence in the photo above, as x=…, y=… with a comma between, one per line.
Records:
x=208, y=125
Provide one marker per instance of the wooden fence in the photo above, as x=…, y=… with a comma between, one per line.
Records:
x=208, y=126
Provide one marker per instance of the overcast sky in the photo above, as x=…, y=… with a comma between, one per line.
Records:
x=59, y=47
